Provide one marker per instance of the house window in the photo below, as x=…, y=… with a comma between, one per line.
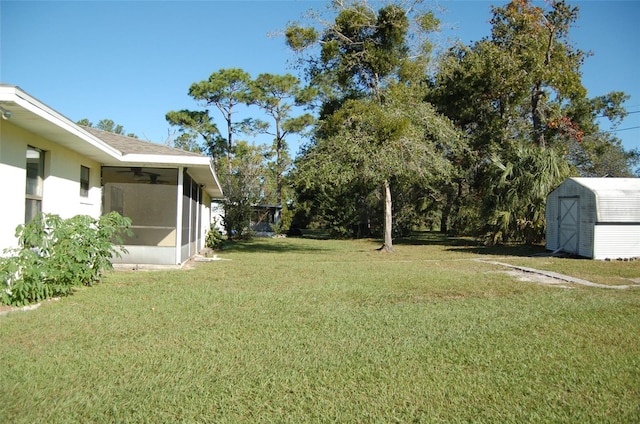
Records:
x=84, y=181
x=35, y=179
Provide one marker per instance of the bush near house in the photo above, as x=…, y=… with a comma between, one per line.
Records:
x=56, y=255
x=214, y=238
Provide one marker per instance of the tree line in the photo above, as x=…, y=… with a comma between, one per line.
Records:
x=469, y=141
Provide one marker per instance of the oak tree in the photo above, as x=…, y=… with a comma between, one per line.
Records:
x=362, y=62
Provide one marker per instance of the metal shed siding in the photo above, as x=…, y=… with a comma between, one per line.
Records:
x=619, y=207
x=586, y=216
x=616, y=241
x=609, y=216
x=551, y=218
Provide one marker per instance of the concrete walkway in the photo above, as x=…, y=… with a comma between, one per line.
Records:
x=557, y=276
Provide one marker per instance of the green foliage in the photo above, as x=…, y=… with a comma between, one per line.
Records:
x=520, y=180
x=363, y=144
x=299, y=38
x=277, y=95
x=249, y=174
x=369, y=69
x=245, y=187
x=286, y=219
x=107, y=125
x=224, y=89
x=56, y=255
x=192, y=125
x=516, y=94
x=363, y=47
x=214, y=238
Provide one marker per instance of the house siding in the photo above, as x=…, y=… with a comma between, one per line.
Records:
x=68, y=147
x=61, y=186
x=12, y=175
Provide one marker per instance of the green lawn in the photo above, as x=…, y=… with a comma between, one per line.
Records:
x=310, y=330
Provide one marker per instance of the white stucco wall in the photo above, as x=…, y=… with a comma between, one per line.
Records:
x=61, y=188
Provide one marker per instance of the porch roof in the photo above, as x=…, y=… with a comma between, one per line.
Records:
x=105, y=148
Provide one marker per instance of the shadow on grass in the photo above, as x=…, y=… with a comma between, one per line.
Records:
x=266, y=245
x=521, y=250
x=470, y=245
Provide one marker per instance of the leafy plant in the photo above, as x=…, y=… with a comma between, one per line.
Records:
x=56, y=255
x=214, y=238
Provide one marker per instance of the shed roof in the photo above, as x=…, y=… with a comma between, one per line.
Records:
x=611, y=186
x=617, y=199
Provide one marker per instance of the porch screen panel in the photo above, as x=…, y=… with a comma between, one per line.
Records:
x=148, y=197
x=194, y=216
x=186, y=216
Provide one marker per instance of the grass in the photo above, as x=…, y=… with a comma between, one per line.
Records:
x=300, y=330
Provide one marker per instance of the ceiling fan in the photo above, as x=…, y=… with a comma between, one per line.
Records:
x=140, y=175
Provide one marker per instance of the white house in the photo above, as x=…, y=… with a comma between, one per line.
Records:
x=50, y=164
x=596, y=218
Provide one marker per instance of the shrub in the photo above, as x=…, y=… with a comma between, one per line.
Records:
x=56, y=255
x=214, y=238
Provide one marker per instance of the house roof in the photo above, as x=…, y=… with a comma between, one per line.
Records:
x=130, y=145
x=103, y=147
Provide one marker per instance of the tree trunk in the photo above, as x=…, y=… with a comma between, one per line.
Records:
x=229, y=145
x=279, y=138
x=446, y=211
x=537, y=115
x=388, y=218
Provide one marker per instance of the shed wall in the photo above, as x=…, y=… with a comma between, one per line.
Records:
x=608, y=225
x=616, y=241
x=587, y=216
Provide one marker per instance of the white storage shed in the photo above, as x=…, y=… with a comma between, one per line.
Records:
x=596, y=218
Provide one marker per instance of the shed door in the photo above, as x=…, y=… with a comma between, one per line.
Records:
x=568, y=222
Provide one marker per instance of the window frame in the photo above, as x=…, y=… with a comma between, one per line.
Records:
x=85, y=183
x=33, y=196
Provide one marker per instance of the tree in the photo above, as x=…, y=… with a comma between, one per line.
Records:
x=106, y=125
x=597, y=153
x=225, y=89
x=363, y=56
x=246, y=187
x=193, y=125
x=276, y=95
x=519, y=179
x=519, y=98
x=537, y=43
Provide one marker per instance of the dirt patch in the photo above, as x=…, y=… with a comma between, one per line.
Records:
x=4, y=309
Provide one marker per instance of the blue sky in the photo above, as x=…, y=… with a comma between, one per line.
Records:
x=133, y=61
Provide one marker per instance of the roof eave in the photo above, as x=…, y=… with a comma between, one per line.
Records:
x=33, y=115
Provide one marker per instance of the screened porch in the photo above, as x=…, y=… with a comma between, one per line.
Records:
x=169, y=211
